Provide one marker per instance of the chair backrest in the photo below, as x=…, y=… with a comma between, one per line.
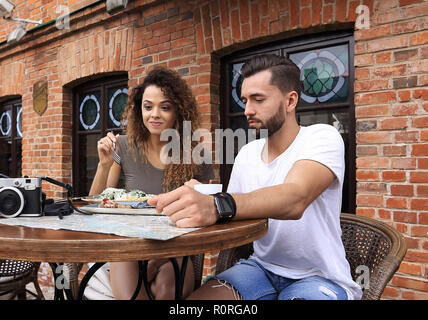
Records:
x=371, y=246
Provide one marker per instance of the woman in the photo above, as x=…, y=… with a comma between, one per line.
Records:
x=162, y=101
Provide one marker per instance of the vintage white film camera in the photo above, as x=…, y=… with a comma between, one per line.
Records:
x=20, y=197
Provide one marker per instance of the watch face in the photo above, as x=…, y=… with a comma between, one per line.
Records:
x=223, y=207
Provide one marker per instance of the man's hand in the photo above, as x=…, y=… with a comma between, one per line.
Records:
x=186, y=207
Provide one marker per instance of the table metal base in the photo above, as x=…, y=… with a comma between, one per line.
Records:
x=179, y=274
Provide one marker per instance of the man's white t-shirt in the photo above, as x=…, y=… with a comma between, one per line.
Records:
x=311, y=245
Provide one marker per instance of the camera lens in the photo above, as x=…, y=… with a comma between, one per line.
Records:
x=11, y=202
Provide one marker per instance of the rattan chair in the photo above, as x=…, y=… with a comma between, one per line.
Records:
x=72, y=270
x=367, y=242
x=14, y=277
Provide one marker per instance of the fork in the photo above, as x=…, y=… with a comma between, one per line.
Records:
x=116, y=157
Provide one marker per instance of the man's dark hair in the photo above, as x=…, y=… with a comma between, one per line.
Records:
x=285, y=73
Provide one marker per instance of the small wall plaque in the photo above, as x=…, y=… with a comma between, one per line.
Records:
x=40, y=96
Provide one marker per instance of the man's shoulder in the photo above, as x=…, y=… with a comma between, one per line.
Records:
x=321, y=127
x=322, y=131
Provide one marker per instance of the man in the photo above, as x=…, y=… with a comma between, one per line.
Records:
x=294, y=178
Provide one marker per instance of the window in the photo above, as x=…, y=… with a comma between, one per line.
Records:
x=326, y=65
x=98, y=109
x=11, y=138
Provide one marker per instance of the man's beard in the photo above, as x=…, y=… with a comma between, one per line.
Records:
x=273, y=124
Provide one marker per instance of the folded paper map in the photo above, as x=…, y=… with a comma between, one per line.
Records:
x=138, y=226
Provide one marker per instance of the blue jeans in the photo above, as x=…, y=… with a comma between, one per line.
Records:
x=253, y=282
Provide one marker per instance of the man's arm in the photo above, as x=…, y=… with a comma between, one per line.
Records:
x=305, y=181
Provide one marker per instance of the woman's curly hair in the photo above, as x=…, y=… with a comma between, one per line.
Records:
x=176, y=90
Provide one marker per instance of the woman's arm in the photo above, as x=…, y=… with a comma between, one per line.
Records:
x=108, y=171
x=105, y=177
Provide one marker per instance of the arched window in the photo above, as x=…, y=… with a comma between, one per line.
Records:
x=98, y=109
x=326, y=64
x=11, y=138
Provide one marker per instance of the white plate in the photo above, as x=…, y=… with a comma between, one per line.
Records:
x=93, y=208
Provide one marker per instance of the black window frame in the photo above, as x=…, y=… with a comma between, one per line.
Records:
x=102, y=84
x=285, y=47
x=13, y=171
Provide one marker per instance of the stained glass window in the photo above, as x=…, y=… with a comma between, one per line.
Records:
x=236, y=105
x=117, y=99
x=90, y=111
x=10, y=138
x=324, y=74
x=99, y=110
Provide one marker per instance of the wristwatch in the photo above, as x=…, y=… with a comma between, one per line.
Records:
x=225, y=205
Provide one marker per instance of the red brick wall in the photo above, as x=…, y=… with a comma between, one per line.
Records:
x=391, y=93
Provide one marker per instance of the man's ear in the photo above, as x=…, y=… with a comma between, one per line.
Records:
x=292, y=98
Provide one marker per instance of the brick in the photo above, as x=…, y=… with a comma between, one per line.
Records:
x=414, y=295
x=294, y=14
x=423, y=216
x=420, y=93
x=405, y=216
x=405, y=82
x=404, y=109
x=409, y=2
x=327, y=14
x=419, y=150
x=401, y=190
x=377, y=162
x=394, y=176
x=244, y=12
x=372, y=111
x=305, y=17
x=366, y=151
x=372, y=85
x=404, y=95
x=374, y=32
x=405, y=55
x=375, y=97
x=420, y=231
x=419, y=38
x=417, y=256
x=390, y=71
x=255, y=20
x=371, y=187
x=406, y=136
x=419, y=177
x=403, y=163
x=224, y=13
x=394, y=150
x=369, y=200
x=374, y=137
x=410, y=268
x=387, y=43
x=393, y=124
x=390, y=292
x=384, y=214
x=365, y=212
x=367, y=175
x=317, y=11
x=396, y=203
x=383, y=57
x=362, y=73
x=422, y=163
x=368, y=125
x=236, y=30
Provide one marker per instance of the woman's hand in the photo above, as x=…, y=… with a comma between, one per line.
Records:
x=105, y=148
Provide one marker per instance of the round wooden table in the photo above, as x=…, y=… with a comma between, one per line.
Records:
x=35, y=244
